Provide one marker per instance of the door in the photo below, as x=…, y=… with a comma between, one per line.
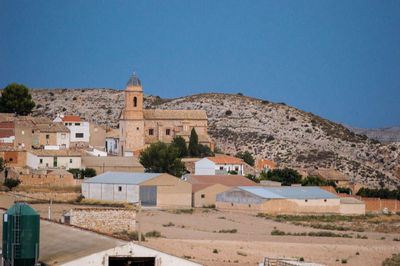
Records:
x=55, y=162
x=148, y=195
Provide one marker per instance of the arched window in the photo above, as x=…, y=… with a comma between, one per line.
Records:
x=134, y=101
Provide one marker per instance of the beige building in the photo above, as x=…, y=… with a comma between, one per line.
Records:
x=140, y=127
x=53, y=135
x=63, y=159
x=286, y=200
x=97, y=138
x=49, y=178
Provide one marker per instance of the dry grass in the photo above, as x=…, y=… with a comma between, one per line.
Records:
x=103, y=203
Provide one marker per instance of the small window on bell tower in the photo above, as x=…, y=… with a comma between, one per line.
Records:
x=134, y=101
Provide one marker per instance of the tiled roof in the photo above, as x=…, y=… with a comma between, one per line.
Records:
x=52, y=127
x=227, y=180
x=149, y=114
x=133, y=81
x=289, y=192
x=6, y=132
x=225, y=160
x=60, y=153
x=331, y=174
x=122, y=178
x=112, y=133
x=197, y=187
x=71, y=118
x=7, y=124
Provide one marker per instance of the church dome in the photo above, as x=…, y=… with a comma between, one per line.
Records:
x=133, y=81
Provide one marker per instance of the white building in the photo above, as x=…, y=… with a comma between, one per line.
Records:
x=112, y=140
x=80, y=130
x=220, y=165
x=63, y=159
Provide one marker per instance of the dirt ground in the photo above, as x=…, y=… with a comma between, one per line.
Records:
x=196, y=236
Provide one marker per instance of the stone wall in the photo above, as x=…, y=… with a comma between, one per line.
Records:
x=104, y=220
x=48, y=180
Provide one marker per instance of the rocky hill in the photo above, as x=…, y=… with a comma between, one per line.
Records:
x=281, y=133
x=382, y=134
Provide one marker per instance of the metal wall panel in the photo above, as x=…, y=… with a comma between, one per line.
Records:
x=148, y=195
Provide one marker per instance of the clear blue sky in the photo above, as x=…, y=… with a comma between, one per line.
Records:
x=337, y=59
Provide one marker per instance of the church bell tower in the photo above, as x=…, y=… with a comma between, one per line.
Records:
x=131, y=119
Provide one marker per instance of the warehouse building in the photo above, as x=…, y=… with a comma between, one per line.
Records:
x=206, y=187
x=280, y=200
x=153, y=189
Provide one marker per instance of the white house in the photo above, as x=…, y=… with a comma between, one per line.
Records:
x=63, y=159
x=80, y=130
x=112, y=140
x=219, y=165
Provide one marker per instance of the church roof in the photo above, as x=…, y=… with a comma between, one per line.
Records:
x=133, y=81
x=149, y=114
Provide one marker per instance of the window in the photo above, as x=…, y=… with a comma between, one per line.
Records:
x=203, y=196
x=47, y=165
x=10, y=159
x=78, y=135
x=70, y=160
x=70, y=124
x=324, y=200
x=47, y=136
x=137, y=128
x=306, y=200
x=66, y=124
x=63, y=136
x=134, y=101
x=41, y=161
x=151, y=132
x=33, y=131
x=119, y=188
x=221, y=168
x=167, y=131
x=77, y=124
x=22, y=132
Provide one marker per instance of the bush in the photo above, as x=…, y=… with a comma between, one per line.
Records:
x=11, y=183
x=215, y=251
x=168, y=224
x=344, y=261
x=286, y=176
x=228, y=112
x=240, y=94
x=277, y=232
x=153, y=233
x=231, y=231
x=392, y=261
x=132, y=235
x=246, y=157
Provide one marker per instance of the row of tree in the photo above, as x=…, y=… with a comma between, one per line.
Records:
x=161, y=157
x=382, y=193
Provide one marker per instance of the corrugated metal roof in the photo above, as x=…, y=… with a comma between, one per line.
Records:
x=290, y=192
x=122, y=178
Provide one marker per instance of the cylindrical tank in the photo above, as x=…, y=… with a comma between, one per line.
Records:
x=21, y=225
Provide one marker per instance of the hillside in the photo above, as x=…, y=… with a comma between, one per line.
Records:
x=283, y=134
x=382, y=134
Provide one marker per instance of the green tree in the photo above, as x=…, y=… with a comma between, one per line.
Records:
x=286, y=176
x=15, y=98
x=252, y=178
x=2, y=164
x=205, y=151
x=193, y=144
x=180, y=143
x=314, y=181
x=89, y=172
x=162, y=158
x=10, y=183
x=246, y=157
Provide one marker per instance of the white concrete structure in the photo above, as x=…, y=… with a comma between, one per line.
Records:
x=97, y=153
x=129, y=252
x=112, y=145
x=220, y=165
x=80, y=130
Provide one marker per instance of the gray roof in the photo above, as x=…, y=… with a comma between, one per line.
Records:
x=133, y=81
x=290, y=192
x=122, y=178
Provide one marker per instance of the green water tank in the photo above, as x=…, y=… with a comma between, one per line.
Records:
x=21, y=225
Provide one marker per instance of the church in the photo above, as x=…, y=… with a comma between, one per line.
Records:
x=140, y=127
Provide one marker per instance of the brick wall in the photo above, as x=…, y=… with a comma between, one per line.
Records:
x=104, y=220
x=377, y=204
